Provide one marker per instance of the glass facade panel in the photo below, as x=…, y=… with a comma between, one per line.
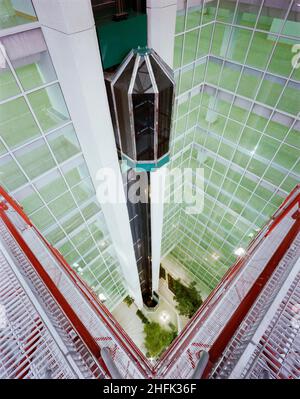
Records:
x=209, y=10
x=62, y=205
x=75, y=171
x=17, y=124
x=2, y=149
x=35, y=158
x=204, y=40
x=29, y=198
x=83, y=191
x=178, y=51
x=8, y=84
x=194, y=13
x=42, y=219
x=180, y=19
x=281, y=58
x=260, y=50
x=28, y=54
x=13, y=13
x=272, y=19
x=225, y=12
x=247, y=14
x=51, y=185
x=41, y=162
x=49, y=107
x=11, y=176
x=190, y=46
x=64, y=143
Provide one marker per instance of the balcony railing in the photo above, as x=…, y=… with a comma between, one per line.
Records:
x=37, y=340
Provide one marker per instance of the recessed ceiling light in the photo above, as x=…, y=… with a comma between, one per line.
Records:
x=164, y=316
x=215, y=256
x=239, y=251
x=102, y=297
x=102, y=243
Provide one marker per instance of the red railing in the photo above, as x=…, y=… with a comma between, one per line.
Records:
x=221, y=342
x=111, y=323
x=207, y=307
x=66, y=308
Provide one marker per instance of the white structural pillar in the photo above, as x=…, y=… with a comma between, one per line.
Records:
x=161, y=36
x=70, y=34
x=161, y=27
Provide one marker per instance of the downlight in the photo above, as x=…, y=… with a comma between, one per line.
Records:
x=239, y=251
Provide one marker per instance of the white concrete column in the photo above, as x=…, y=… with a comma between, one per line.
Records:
x=161, y=27
x=161, y=37
x=70, y=34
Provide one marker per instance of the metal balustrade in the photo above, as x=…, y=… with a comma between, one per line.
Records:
x=278, y=352
x=94, y=318
x=212, y=318
x=242, y=344
x=30, y=346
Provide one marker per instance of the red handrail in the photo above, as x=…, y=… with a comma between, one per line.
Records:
x=14, y=204
x=89, y=295
x=208, y=305
x=57, y=295
x=93, y=300
x=223, y=339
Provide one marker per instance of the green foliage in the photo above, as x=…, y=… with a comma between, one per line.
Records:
x=141, y=315
x=128, y=300
x=158, y=338
x=188, y=298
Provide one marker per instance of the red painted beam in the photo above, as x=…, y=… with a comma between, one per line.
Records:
x=109, y=320
x=15, y=205
x=285, y=209
x=89, y=341
x=189, y=331
x=221, y=342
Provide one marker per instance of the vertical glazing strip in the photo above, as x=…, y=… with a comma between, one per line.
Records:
x=156, y=105
x=113, y=82
x=130, y=104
